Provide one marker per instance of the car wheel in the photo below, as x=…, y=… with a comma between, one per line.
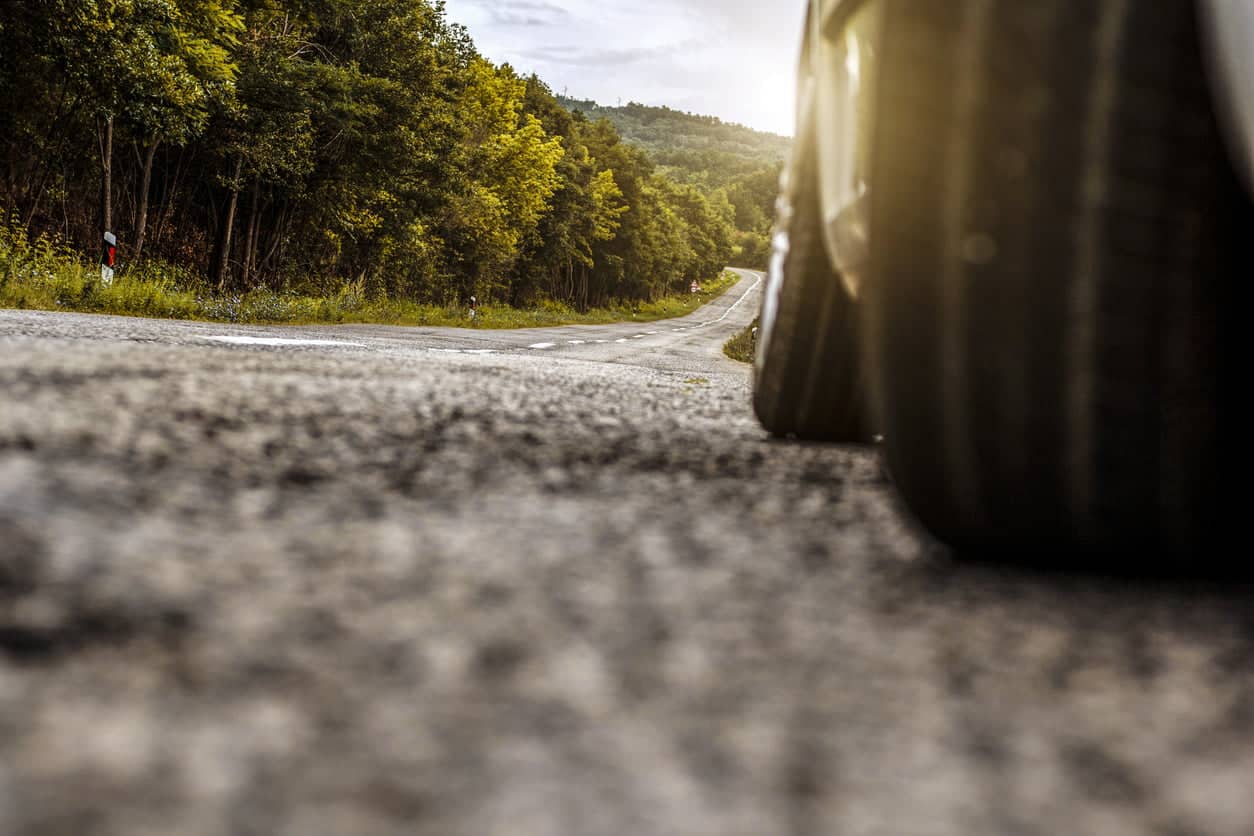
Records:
x=1052, y=238
x=808, y=379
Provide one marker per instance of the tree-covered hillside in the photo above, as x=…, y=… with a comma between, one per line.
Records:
x=663, y=131
x=306, y=144
x=713, y=155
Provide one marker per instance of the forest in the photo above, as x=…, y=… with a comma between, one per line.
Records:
x=307, y=145
x=713, y=155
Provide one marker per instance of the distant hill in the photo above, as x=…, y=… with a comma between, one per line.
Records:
x=699, y=149
x=726, y=162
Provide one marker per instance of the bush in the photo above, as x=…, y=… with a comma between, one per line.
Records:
x=742, y=346
x=44, y=274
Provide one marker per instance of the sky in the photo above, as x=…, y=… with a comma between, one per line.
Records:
x=734, y=59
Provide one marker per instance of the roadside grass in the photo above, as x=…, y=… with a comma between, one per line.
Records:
x=741, y=346
x=42, y=274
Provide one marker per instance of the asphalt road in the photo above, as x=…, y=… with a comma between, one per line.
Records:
x=369, y=580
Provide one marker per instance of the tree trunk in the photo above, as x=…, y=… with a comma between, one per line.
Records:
x=224, y=248
x=47, y=158
x=250, y=240
x=106, y=182
x=141, y=225
x=170, y=187
x=276, y=240
x=10, y=191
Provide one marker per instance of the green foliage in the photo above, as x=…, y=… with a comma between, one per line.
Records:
x=728, y=164
x=40, y=274
x=667, y=133
x=742, y=346
x=159, y=64
x=304, y=147
x=44, y=275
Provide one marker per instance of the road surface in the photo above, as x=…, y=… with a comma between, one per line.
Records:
x=368, y=580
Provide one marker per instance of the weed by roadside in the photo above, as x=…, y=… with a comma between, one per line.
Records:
x=742, y=346
x=42, y=274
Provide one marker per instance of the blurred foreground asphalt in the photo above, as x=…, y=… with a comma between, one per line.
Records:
x=368, y=580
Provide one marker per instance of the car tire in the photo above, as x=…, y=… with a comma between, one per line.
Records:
x=808, y=376
x=1053, y=243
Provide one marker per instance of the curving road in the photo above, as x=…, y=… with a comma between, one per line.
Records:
x=371, y=580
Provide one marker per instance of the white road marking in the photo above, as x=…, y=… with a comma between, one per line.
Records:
x=278, y=342
x=534, y=347
x=727, y=313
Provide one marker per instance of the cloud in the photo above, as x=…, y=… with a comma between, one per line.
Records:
x=733, y=59
x=577, y=56
x=527, y=13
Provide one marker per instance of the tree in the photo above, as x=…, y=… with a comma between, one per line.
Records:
x=309, y=143
x=180, y=67
x=510, y=167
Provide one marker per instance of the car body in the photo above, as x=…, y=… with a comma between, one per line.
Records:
x=1009, y=244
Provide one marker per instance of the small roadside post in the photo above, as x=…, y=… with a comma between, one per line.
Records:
x=107, y=257
x=473, y=312
x=694, y=287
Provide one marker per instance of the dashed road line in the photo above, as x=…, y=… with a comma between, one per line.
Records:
x=279, y=342
x=737, y=304
x=534, y=347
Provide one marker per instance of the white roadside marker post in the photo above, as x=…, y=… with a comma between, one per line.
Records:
x=107, y=257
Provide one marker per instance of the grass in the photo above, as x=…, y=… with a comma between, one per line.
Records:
x=741, y=346
x=45, y=275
